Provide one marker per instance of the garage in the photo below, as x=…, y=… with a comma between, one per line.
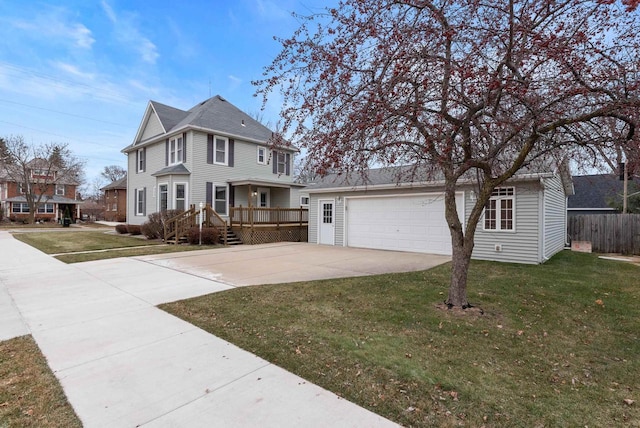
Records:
x=414, y=223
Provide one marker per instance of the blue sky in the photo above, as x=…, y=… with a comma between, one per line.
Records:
x=82, y=72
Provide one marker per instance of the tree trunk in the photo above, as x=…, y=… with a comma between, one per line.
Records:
x=462, y=246
x=461, y=258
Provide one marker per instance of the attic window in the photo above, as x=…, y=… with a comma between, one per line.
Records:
x=243, y=122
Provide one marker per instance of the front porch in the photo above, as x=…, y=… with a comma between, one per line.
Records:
x=252, y=225
x=255, y=225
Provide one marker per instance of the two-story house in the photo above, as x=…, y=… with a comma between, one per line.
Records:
x=115, y=200
x=56, y=194
x=214, y=154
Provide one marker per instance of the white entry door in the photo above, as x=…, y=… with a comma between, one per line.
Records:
x=326, y=222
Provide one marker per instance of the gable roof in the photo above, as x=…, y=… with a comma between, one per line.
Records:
x=596, y=191
x=118, y=184
x=397, y=177
x=215, y=115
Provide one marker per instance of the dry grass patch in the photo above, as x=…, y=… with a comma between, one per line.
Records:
x=30, y=395
x=557, y=345
x=68, y=242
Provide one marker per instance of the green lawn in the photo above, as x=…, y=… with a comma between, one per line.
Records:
x=558, y=344
x=30, y=395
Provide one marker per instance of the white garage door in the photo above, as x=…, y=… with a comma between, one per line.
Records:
x=401, y=223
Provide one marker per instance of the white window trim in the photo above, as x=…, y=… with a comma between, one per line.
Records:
x=159, y=195
x=44, y=206
x=215, y=150
x=302, y=204
x=58, y=188
x=186, y=195
x=141, y=160
x=174, y=147
x=264, y=155
x=139, y=192
x=499, y=211
x=283, y=163
x=213, y=197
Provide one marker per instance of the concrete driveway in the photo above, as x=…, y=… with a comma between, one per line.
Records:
x=291, y=262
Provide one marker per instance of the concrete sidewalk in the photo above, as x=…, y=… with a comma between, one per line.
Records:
x=124, y=363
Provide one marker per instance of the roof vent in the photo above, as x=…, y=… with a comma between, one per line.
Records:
x=243, y=122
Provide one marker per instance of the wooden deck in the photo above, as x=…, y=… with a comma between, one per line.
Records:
x=252, y=225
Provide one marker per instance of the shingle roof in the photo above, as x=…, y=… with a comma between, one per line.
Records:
x=169, y=116
x=215, y=114
x=405, y=175
x=172, y=169
x=596, y=191
x=118, y=184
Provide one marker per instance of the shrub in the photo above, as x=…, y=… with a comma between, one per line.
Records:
x=210, y=236
x=134, y=229
x=121, y=228
x=154, y=227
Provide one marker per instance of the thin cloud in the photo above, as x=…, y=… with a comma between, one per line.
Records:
x=73, y=70
x=127, y=33
x=54, y=26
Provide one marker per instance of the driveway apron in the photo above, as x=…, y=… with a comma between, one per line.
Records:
x=124, y=363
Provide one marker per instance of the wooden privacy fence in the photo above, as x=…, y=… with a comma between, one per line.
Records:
x=608, y=233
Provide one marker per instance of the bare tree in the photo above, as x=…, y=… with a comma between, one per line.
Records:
x=36, y=168
x=113, y=173
x=458, y=89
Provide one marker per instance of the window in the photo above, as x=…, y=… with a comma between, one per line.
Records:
x=45, y=209
x=221, y=150
x=176, y=150
x=327, y=213
x=180, y=199
x=163, y=191
x=220, y=202
x=282, y=163
x=262, y=155
x=60, y=189
x=304, y=200
x=140, y=194
x=140, y=160
x=21, y=188
x=498, y=213
x=114, y=207
x=20, y=208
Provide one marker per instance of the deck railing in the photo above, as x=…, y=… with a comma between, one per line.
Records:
x=178, y=226
x=252, y=216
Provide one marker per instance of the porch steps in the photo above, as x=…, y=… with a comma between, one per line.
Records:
x=232, y=238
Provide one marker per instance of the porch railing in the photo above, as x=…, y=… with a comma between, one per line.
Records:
x=178, y=226
x=252, y=216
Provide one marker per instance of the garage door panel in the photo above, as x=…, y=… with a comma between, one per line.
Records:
x=406, y=223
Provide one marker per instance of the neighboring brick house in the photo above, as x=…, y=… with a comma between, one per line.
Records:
x=213, y=153
x=58, y=200
x=115, y=200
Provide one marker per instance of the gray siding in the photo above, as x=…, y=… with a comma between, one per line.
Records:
x=521, y=245
x=555, y=217
x=152, y=128
x=155, y=159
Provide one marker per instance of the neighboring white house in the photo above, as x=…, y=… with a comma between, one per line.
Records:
x=212, y=153
x=524, y=222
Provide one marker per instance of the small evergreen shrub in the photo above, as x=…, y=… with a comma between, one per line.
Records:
x=121, y=228
x=210, y=236
x=134, y=229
